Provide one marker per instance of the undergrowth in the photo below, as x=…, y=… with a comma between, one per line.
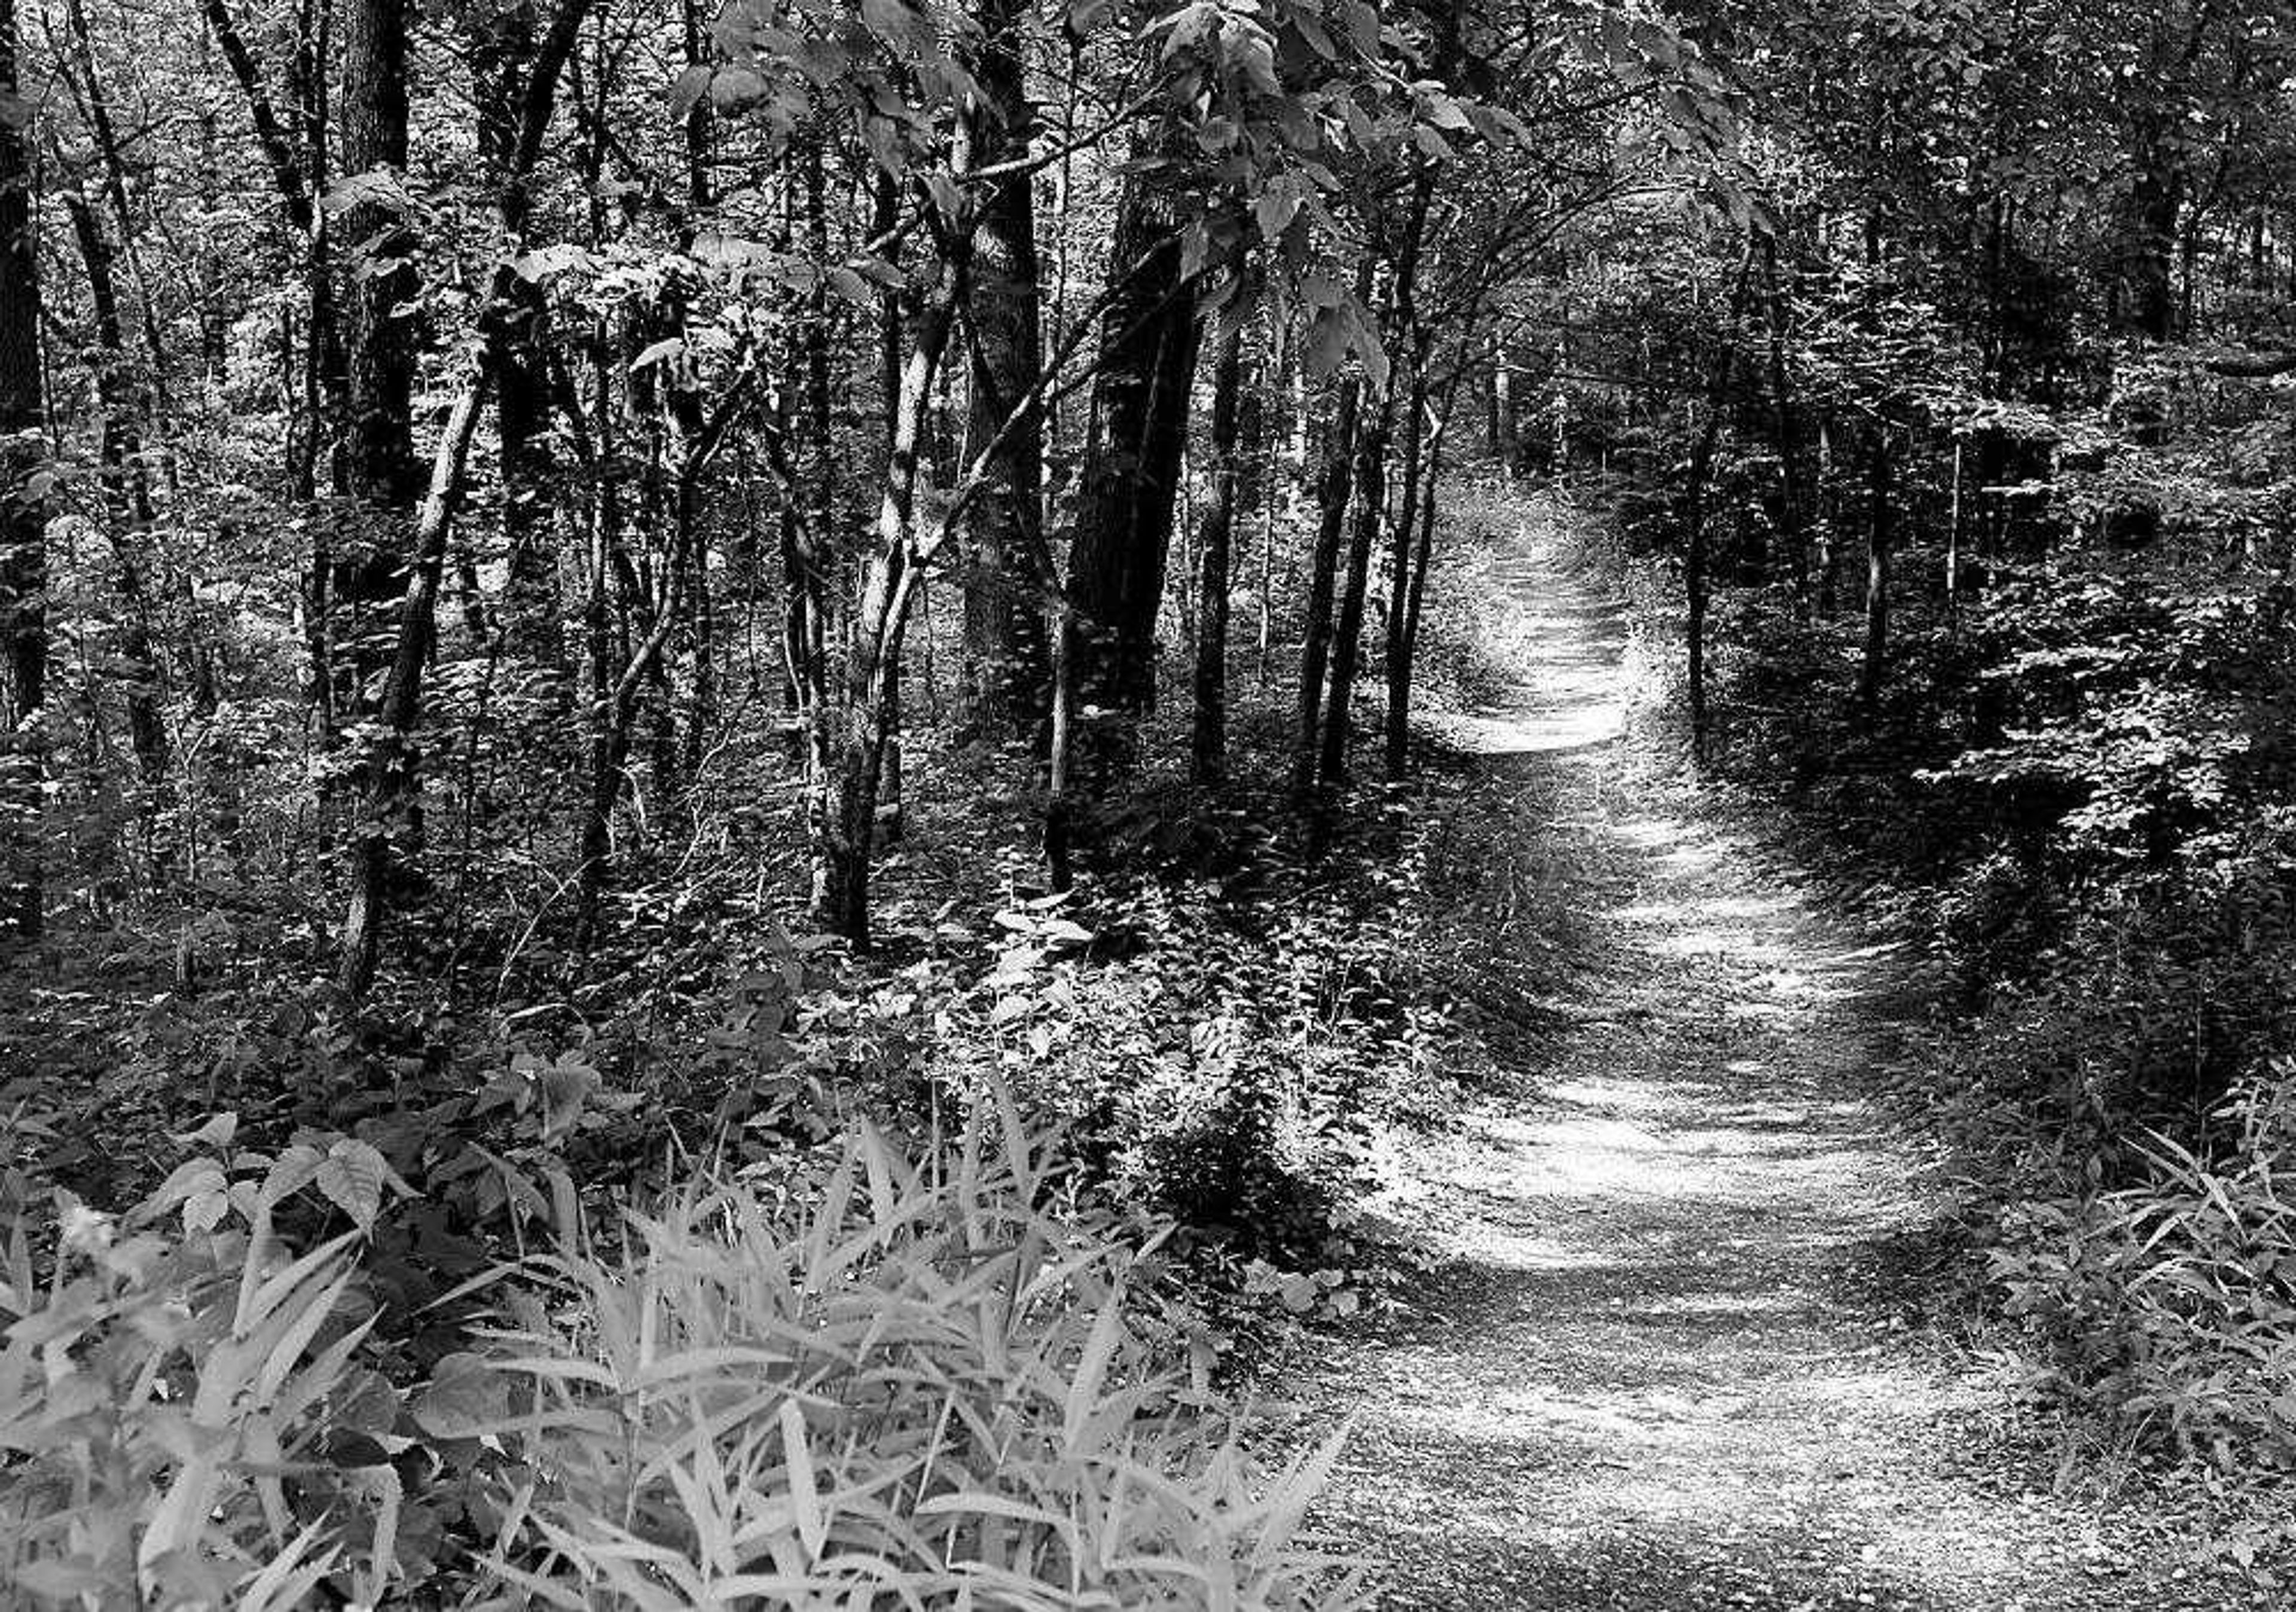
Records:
x=865, y=1370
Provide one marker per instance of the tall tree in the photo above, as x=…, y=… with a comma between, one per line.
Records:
x=23, y=516
x=1008, y=668
x=379, y=472
x=501, y=58
x=1332, y=484
x=390, y=771
x=1208, y=748
x=1132, y=468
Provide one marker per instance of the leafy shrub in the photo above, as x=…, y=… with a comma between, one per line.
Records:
x=2170, y=1305
x=188, y=1417
x=872, y=1377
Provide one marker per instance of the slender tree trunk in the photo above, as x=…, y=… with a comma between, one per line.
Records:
x=1792, y=519
x=1208, y=748
x=1370, y=502
x=1694, y=566
x=1829, y=542
x=23, y=523
x=299, y=173
x=1315, y=645
x=391, y=773
x=808, y=505
x=846, y=804
x=615, y=700
x=503, y=52
x=1396, y=730
x=885, y=767
x=2144, y=286
x=1399, y=682
x=1880, y=471
x=1953, y=538
x=1400, y=324
x=128, y=507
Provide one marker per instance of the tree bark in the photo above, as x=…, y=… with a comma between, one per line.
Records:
x=503, y=53
x=391, y=770
x=1007, y=663
x=1399, y=678
x=1695, y=568
x=1878, y=530
x=1132, y=472
x=127, y=508
x=23, y=523
x=1315, y=641
x=1399, y=323
x=1370, y=502
x=1396, y=728
x=380, y=477
x=390, y=775
x=1792, y=521
x=846, y=799
x=1207, y=746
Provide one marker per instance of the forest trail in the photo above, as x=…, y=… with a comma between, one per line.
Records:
x=1650, y=1374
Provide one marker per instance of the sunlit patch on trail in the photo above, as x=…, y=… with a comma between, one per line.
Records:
x=1711, y=908
x=1723, y=943
x=1639, y=1383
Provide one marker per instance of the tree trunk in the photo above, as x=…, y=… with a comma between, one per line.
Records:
x=23, y=523
x=1370, y=502
x=1132, y=471
x=1400, y=679
x=392, y=771
x=1695, y=568
x=808, y=506
x=1007, y=664
x=893, y=361
x=1315, y=643
x=1879, y=518
x=503, y=51
x=1397, y=724
x=2145, y=284
x=127, y=508
x=1399, y=326
x=1208, y=748
x=846, y=799
x=380, y=477
x=1829, y=542
x=1793, y=521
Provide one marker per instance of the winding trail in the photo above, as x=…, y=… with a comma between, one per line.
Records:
x=1654, y=1371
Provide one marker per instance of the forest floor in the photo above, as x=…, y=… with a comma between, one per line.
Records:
x=1667, y=1360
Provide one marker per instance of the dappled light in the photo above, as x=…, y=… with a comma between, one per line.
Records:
x=1147, y=805
x=1644, y=1382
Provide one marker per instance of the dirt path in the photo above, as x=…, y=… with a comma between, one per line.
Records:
x=1646, y=1377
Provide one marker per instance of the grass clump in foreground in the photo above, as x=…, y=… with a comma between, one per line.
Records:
x=873, y=1378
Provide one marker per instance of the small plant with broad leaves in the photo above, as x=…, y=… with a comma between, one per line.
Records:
x=187, y=1415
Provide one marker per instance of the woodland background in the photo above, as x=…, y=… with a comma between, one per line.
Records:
x=614, y=598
